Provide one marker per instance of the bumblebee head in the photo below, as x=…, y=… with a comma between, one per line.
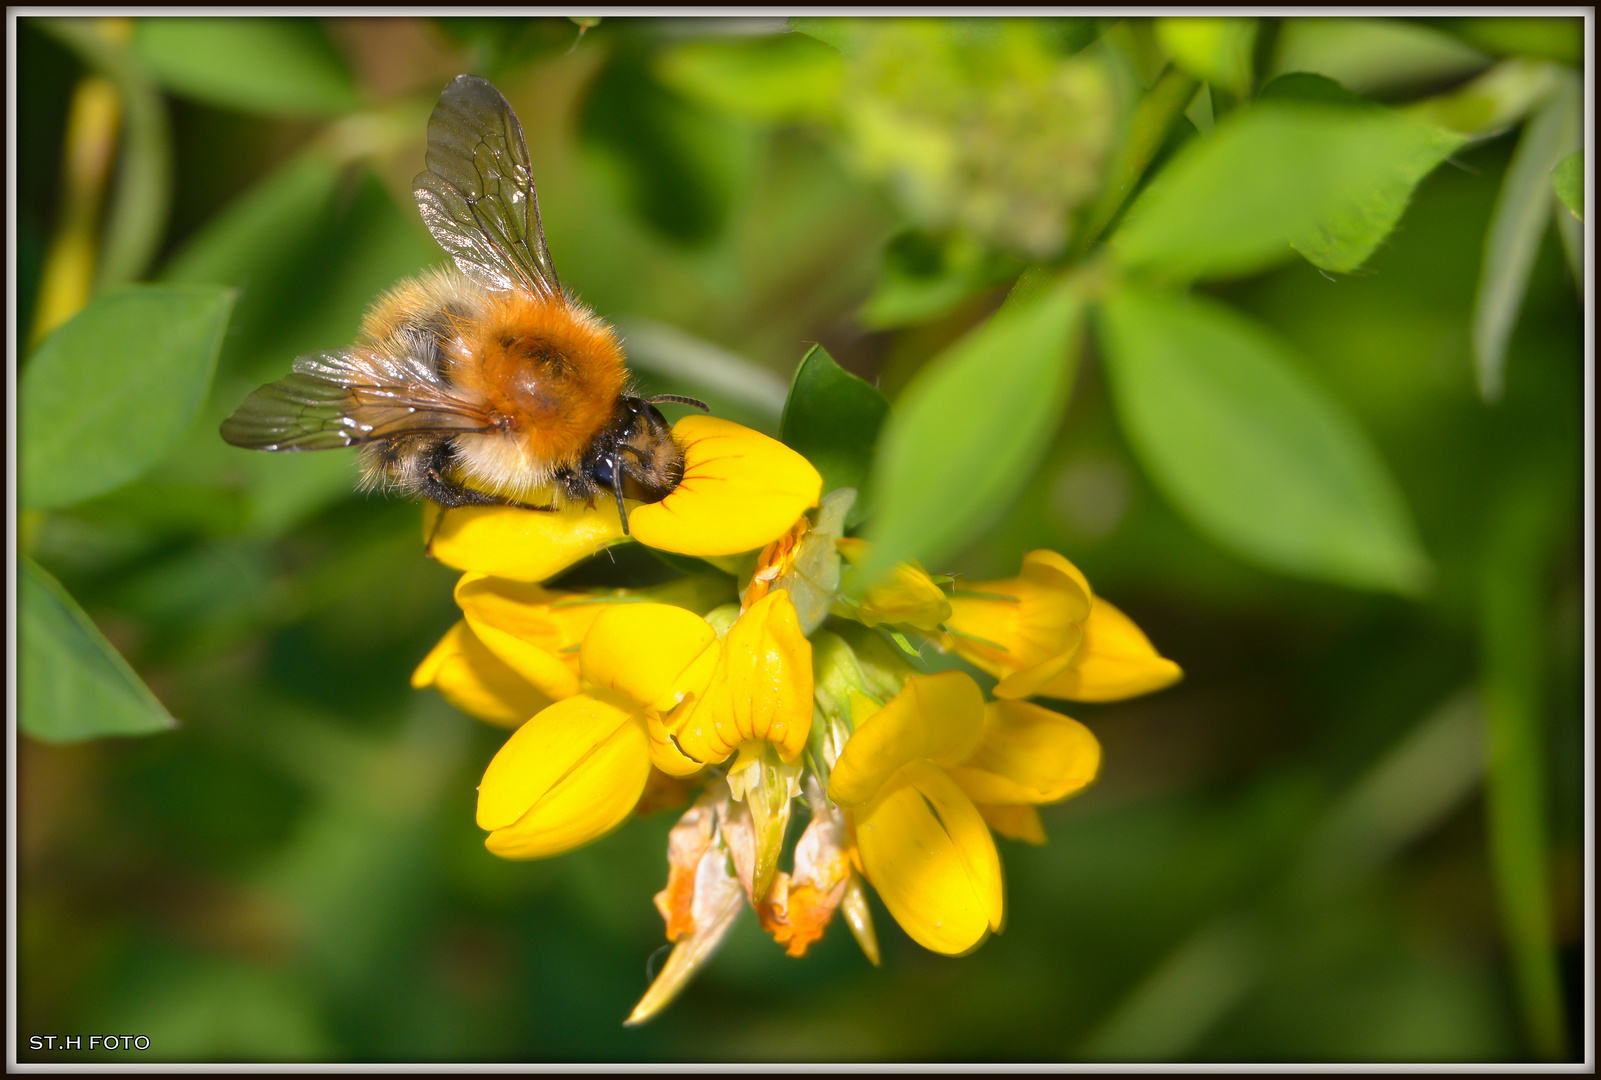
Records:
x=636, y=456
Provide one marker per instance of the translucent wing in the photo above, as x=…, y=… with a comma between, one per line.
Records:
x=477, y=194
x=345, y=398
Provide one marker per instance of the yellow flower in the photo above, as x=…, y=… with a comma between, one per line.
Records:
x=908, y=598
x=740, y=490
x=1024, y=630
x=1045, y=632
x=574, y=771
x=517, y=649
x=1115, y=661
x=476, y=681
x=758, y=702
x=533, y=630
x=1027, y=756
x=923, y=844
x=760, y=690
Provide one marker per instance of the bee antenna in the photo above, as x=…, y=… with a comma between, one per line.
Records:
x=679, y=399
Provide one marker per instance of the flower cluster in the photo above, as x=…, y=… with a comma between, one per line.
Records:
x=774, y=681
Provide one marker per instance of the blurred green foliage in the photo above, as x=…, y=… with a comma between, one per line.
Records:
x=1371, y=573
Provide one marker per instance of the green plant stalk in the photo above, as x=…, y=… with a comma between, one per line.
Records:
x=1161, y=106
x=1512, y=617
x=137, y=219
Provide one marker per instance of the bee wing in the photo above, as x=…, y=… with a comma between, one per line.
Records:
x=346, y=398
x=477, y=194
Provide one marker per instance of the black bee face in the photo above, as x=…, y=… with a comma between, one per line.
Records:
x=636, y=456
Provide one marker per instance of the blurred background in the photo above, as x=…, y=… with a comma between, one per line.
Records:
x=1297, y=854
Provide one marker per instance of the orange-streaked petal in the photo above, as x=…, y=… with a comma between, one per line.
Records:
x=643, y=650
x=686, y=843
x=938, y=717
x=741, y=490
x=523, y=545
x=593, y=799
x=1115, y=661
x=476, y=681
x=929, y=854
x=761, y=689
x=544, y=750
x=799, y=907
x=1028, y=754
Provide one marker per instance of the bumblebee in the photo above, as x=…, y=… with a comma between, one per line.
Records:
x=485, y=383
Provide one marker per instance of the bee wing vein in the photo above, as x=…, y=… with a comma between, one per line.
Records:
x=477, y=195
x=337, y=399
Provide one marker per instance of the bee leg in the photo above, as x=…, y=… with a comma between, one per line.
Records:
x=449, y=494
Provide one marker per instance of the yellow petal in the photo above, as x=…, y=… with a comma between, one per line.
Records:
x=938, y=717
x=664, y=751
x=1115, y=661
x=476, y=681
x=544, y=750
x=761, y=688
x=1028, y=754
x=908, y=597
x=643, y=650
x=532, y=629
x=595, y=797
x=523, y=545
x=741, y=491
x=929, y=854
x=1013, y=626
x=1015, y=822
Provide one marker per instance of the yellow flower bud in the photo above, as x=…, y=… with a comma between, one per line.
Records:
x=908, y=597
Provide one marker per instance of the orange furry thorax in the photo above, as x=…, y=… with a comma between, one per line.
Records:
x=548, y=372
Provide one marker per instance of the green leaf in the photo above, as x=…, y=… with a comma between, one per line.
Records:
x=1374, y=56
x=280, y=67
x=1256, y=455
x=833, y=419
x=110, y=392
x=968, y=432
x=1494, y=100
x=71, y=684
x=1326, y=180
x=1567, y=179
x=1560, y=39
x=1517, y=225
x=1213, y=49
